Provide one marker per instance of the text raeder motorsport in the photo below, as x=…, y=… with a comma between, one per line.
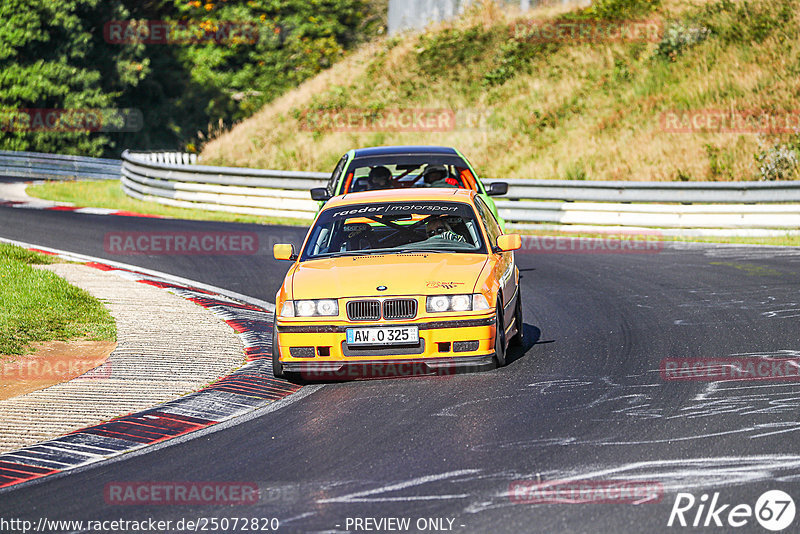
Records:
x=411, y=208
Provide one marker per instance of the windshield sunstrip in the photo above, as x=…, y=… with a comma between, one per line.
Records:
x=395, y=227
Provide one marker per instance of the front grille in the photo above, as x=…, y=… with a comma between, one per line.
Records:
x=399, y=309
x=364, y=310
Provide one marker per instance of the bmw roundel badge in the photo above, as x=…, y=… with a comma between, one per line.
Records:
x=381, y=288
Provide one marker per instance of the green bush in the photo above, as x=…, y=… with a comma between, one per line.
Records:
x=745, y=22
x=514, y=57
x=621, y=9
x=780, y=161
x=448, y=52
x=678, y=37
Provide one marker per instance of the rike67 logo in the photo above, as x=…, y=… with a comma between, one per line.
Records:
x=774, y=510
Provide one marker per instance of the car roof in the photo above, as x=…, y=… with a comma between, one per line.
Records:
x=400, y=195
x=407, y=149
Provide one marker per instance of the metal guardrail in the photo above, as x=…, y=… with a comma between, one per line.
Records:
x=38, y=166
x=589, y=204
x=159, y=177
x=173, y=178
x=661, y=192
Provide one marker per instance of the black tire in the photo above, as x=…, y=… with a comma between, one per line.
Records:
x=499, y=338
x=519, y=338
x=277, y=366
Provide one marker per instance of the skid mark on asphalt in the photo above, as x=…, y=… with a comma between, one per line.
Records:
x=697, y=473
x=479, y=490
x=684, y=474
x=379, y=494
x=756, y=299
x=604, y=400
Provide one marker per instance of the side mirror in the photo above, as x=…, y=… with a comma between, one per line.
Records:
x=283, y=252
x=496, y=189
x=509, y=242
x=320, y=193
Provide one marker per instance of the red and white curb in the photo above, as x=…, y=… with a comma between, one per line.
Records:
x=48, y=206
x=249, y=388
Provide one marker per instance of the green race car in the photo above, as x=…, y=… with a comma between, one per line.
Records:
x=400, y=167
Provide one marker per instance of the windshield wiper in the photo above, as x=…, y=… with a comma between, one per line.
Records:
x=412, y=250
x=348, y=253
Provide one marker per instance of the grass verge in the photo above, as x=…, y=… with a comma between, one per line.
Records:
x=37, y=305
x=109, y=194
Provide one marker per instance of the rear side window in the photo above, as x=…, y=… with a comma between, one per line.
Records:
x=335, y=175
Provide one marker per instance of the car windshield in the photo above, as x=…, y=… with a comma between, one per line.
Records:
x=419, y=170
x=394, y=227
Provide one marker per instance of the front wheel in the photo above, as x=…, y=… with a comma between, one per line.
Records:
x=499, y=339
x=277, y=366
x=519, y=338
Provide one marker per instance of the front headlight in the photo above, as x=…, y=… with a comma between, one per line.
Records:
x=310, y=308
x=456, y=303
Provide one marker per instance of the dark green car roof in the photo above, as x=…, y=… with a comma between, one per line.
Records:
x=409, y=150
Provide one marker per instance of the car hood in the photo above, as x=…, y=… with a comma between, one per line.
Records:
x=402, y=274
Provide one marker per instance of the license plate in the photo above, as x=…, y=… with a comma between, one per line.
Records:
x=393, y=335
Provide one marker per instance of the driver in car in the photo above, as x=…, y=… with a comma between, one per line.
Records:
x=439, y=228
x=437, y=176
x=379, y=178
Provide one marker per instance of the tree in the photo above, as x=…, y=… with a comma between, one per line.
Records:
x=52, y=57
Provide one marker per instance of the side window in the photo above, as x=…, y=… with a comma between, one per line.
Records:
x=335, y=175
x=492, y=228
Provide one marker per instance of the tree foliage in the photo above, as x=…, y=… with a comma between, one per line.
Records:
x=58, y=55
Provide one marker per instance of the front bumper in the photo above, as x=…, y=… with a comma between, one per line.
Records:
x=444, y=346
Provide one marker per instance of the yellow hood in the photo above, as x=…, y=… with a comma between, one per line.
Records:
x=402, y=274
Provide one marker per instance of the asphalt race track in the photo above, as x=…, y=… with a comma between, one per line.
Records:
x=585, y=401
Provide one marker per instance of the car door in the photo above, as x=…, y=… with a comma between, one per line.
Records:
x=505, y=266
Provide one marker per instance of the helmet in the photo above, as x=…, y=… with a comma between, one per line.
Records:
x=434, y=173
x=379, y=176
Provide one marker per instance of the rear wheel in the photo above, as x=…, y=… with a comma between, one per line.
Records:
x=519, y=338
x=277, y=366
x=499, y=338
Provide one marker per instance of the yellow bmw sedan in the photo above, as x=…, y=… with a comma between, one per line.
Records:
x=414, y=281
